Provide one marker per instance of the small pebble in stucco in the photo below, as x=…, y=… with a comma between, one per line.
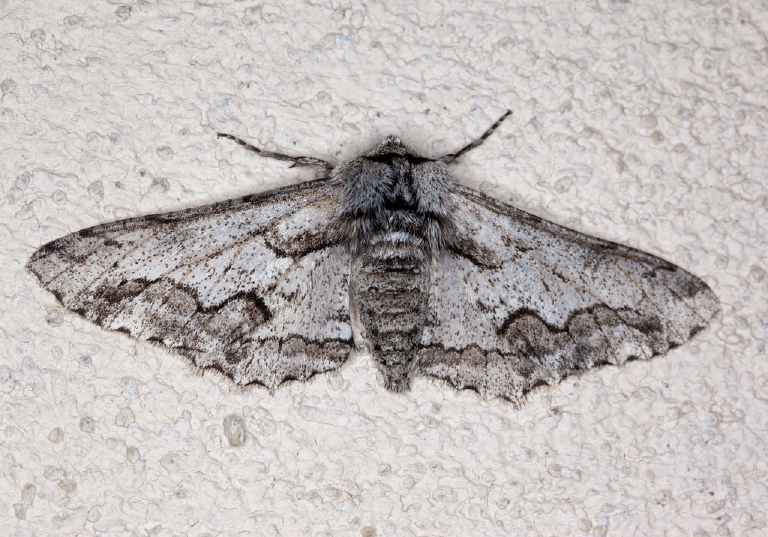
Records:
x=234, y=430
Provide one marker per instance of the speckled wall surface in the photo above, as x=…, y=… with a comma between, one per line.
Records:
x=643, y=123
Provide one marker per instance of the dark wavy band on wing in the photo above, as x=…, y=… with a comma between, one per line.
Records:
x=252, y=287
x=519, y=302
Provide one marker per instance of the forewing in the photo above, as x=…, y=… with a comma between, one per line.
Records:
x=252, y=287
x=520, y=302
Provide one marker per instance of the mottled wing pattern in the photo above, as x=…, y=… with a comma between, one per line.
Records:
x=521, y=302
x=251, y=287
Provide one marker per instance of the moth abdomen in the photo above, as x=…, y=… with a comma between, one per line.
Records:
x=391, y=295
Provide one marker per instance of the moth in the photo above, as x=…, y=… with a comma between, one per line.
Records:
x=385, y=251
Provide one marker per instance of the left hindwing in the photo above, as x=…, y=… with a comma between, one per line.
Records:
x=252, y=287
x=520, y=302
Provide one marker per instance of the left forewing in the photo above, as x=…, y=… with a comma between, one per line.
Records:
x=251, y=287
x=519, y=302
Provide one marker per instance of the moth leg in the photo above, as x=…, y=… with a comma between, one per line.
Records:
x=297, y=161
x=362, y=345
x=447, y=159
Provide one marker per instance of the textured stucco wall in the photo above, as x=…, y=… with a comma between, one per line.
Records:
x=642, y=122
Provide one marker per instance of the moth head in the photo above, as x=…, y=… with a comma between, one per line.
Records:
x=391, y=146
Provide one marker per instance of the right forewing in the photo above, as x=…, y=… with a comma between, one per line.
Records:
x=252, y=287
x=520, y=302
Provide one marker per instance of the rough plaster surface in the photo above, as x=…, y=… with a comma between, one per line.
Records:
x=641, y=122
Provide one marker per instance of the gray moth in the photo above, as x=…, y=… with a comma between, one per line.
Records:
x=388, y=252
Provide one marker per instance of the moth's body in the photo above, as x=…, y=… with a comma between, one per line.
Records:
x=442, y=280
x=394, y=223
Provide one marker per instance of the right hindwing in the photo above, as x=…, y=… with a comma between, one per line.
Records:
x=520, y=302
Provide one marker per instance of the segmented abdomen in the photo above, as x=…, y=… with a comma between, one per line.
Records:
x=391, y=292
